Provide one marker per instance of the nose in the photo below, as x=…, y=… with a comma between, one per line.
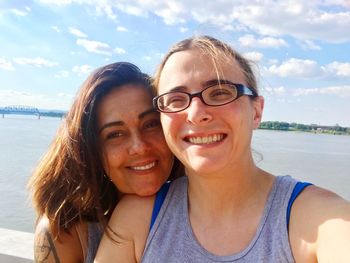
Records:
x=197, y=112
x=139, y=145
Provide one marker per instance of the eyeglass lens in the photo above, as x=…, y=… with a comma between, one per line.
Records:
x=213, y=96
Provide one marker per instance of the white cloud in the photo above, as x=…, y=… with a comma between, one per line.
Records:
x=132, y=7
x=296, y=68
x=19, y=12
x=36, y=62
x=119, y=51
x=59, y=2
x=333, y=90
x=300, y=68
x=275, y=91
x=338, y=69
x=148, y=58
x=340, y=91
x=253, y=56
x=300, y=19
x=312, y=20
x=95, y=46
x=344, y=3
x=104, y=8
x=265, y=42
x=272, y=61
x=121, y=29
x=173, y=12
x=76, y=32
x=99, y=47
x=82, y=70
x=310, y=45
x=6, y=65
x=183, y=29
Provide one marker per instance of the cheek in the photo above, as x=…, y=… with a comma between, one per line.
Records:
x=112, y=158
x=160, y=145
x=170, y=126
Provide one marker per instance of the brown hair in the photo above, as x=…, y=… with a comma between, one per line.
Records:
x=217, y=51
x=69, y=184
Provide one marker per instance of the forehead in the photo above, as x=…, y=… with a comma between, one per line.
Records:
x=125, y=94
x=124, y=101
x=192, y=68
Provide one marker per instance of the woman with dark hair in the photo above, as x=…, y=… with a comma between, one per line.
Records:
x=110, y=143
x=226, y=209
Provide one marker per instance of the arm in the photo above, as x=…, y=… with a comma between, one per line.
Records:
x=47, y=249
x=127, y=231
x=320, y=227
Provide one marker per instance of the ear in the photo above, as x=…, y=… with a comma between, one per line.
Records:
x=258, y=110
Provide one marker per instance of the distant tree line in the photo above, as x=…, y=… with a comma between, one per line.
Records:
x=53, y=114
x=285, y=126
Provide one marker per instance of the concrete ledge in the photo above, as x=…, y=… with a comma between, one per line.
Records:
x=13, y=259
x=16, y=246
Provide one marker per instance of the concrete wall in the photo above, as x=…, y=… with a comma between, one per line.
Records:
x=16, y=246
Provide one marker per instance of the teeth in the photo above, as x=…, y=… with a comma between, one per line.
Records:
x=206, y=139
x=144, y=167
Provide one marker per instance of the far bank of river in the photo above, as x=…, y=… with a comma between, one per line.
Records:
x=314, y=128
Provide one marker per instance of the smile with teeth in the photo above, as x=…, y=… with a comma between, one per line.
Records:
x=206, y=139
x=143, y=167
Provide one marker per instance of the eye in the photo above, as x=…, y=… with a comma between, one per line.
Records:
x=220, y=93
x=114, y=135
x=150, y=124
x=174, y=100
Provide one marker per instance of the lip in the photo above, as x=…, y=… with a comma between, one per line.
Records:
x=205, y=139
x=143, y=166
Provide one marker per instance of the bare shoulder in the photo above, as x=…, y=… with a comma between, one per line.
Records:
x=132, y=215
x=127, y=230
x=321, y=205
x=64, y=248
x=320, y=225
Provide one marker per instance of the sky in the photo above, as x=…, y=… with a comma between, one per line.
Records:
x=300, y=50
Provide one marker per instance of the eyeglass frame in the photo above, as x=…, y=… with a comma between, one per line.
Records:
x=241, y=91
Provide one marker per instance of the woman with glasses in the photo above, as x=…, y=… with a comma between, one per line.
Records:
x=110, y=143
x=227, y=209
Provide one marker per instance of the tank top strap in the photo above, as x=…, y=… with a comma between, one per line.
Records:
x=160, y=197
x=82, y=239
x=298, y=188
x=95, y=232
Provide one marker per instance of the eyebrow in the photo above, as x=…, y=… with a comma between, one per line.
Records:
x=205, y=84
x=213, y=82
x=141, y=116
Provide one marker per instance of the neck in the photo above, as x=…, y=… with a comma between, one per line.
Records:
x=227, y=192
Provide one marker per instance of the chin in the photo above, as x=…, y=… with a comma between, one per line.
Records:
x=149, y=190
x=203, y=167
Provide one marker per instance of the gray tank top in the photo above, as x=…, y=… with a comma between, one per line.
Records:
x=95, y=233
x=171, y=238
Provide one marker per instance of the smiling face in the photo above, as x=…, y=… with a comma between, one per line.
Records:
x=135, y=155
x=207, y=139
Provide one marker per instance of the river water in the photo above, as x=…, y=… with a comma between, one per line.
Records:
x=318, y=158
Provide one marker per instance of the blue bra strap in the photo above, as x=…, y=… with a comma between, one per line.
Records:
x=298, y=188
x=160, y=197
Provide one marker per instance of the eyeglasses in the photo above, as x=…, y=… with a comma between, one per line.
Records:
x=215, y=95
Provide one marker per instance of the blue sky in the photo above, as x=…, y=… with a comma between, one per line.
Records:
x=301, y=49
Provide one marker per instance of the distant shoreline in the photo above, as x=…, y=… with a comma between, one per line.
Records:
x=36, y=112
x=313, y=128
x=265, y=125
